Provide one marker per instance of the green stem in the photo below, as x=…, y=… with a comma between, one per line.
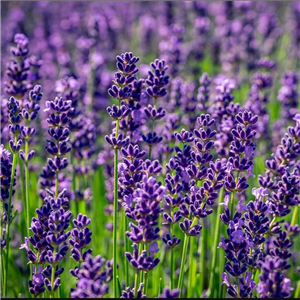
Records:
x=127, y=250
x=56, y=184
x=172, y=269
x=141, y=277
x=160, y=286
x=27, y=183
x=27, y=196
x=152, y=129
x=13, y=170
x=2, y=252
x=52, y=281
x=1, y=220
x=115, y=223
x=183, y=258
x=23, y=193
x=119, y=285
x=27, y=189
x=150, y=152
x=198, y=293
x=146, y=283
x=232, y=205
x=136, y=279
x=271, y=224
x=293, y=222
x=297, y=292
x=191, y=275
x=214, y=250
x=82, y=206
x=237, y=287
x=115, y=217
x=270, y=227
x=222, y=291
x=72, y=162
x=171, y=262
x=1, y=271
x=202, y=259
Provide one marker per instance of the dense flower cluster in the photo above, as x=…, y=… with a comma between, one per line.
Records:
x=49, y=242
x=92, y=278
x=59, y=146
x=30, y=111
x=18, y=68
x=6, y=172
x=257, y=102
x=288, y=95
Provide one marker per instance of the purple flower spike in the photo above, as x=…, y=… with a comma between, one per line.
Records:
x=93, y=279
x=18, y=68
x=141, y=262
x=272, y=283
x=82, y=221
x=168, y=293
x=128, y=293
x=186, y=228
x=117, y=143
x=153, y=113
x=171, y=242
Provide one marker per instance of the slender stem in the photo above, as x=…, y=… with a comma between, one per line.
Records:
x=52, y=281
x=232, y=204
x=141, y=277
x=202, y=259
x=56, y=184
x=27, y=183
x=126, y=250
x=118, y=124
x=2, y=270
x=27, y=195
x=191, y=275
x=23, y=193
x=293, y=222
x=27, y=188
x=183, y=258
x=270, y=227
x=115, y=223
x=146, y=283
x=232, y=197
x=115, y=217
x=82, y=206
x=237, y=287
x=13, y=170
x=136, y=279
x=171, y=262
x=222, y=291
x=172, y=269
x=160, y=286
x=194, y=222
x=150, y=152
x=198, y=293
x=271, y=224
x=72, y=162
x=214, y=250
x=1, y=221
x=297, y=292
x=150, y=147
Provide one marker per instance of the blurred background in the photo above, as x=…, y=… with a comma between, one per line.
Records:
x=73, y=47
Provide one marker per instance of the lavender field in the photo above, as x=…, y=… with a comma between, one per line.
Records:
x=150, y=149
